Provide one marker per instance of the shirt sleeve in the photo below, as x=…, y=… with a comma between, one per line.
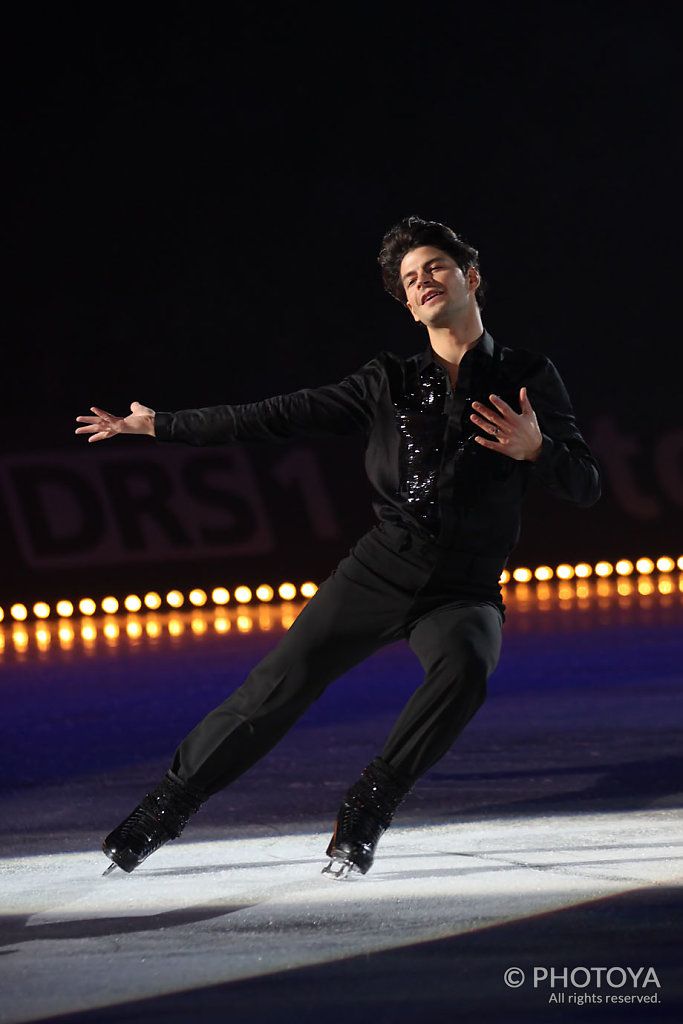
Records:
x=565, y=465
x=335, y=409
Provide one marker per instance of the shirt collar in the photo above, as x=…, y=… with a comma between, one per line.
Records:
x=483, y=348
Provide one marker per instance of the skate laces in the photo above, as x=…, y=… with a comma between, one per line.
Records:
x=172, y=806
x=168, y=807
x=358, y=823
x=370, y=804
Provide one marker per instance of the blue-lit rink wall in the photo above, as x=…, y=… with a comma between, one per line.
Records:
x=132, y=517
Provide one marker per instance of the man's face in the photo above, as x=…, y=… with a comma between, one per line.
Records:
x=436, y=289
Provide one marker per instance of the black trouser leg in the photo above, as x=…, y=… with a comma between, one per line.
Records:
x=341, y=626
x=458, y=647
x=371, y=600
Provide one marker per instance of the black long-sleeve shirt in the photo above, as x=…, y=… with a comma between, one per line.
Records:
x=427, y=471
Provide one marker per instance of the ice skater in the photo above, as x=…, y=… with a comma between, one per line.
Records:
x=453, y=435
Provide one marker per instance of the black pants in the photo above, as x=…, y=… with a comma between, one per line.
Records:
x=391, y=586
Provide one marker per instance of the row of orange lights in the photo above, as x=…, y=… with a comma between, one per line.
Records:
x=64, y=633
x=242, y=595
x=582, y=571
x=152, y=601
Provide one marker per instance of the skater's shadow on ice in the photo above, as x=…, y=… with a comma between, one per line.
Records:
x=211, y=869
x=631, y=785
x=15, y=929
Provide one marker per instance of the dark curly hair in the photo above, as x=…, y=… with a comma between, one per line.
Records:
x=413, y=232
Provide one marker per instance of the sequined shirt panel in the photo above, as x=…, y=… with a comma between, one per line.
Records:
x=421, y=420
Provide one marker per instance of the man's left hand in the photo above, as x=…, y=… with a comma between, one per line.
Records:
x=516, y=435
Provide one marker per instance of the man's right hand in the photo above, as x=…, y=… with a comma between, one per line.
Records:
x=103, y=424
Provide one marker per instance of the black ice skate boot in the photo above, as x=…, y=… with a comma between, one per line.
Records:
x=161, y=816
x=365, y=814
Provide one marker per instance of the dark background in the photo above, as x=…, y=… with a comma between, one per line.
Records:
x=197, y=195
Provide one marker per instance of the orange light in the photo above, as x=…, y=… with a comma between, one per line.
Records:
x=679, y=563
x=88, y=632
x=18, y=612
x=175, y=627
x=111, y=630
x=153, y=628
x=308, y=589
x=132, y=603
x=665, y=586
x=242, y=595
x=624, y=567
x=666, y=564
x=64, y=609
x=543, y=572
x=583, y=570
x=645, y=566
x=152, y=600
x=66, y=636
x=20, y=639
x=645, y=587
x=244, y=623
x=197, y=597
x=603, y=569
x=221, y=624
x=110, y=605
x=564, y=572
x=504, y=577
x=219, y=595
x=287, y=591
x=624, y=588
x=134, y=629
x=41, y=610
x=198, y=625
x=87, y=606
x=43, y=638
x=2, y=614
x=265, y=592
x=175, y=599
x=265, y=619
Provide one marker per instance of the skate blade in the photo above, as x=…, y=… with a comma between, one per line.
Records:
x=339, y=870
x=109, y=869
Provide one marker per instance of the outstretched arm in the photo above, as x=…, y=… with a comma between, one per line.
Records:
x=341, y=408
x=104, y=424
x=334, y=409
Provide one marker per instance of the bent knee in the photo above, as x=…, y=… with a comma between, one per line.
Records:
x=469, y=659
